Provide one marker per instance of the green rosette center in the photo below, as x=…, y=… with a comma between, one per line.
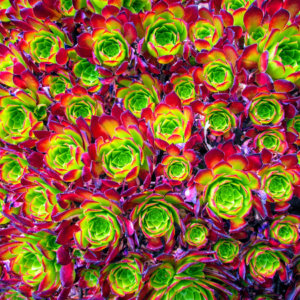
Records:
x=164, y=36
x=265, y=111
x=100, y=229
x=258, y=33
x=218, y=121
x=44, y=46
x=266, y=262
x=270, y=142
x=121, y=158
x=229, y=197
x=12, y=170
x=111, y=47
x=185, y=90
x=278, y=184
x=58, y=86
x=156, y=221
x=161, y=278
x=125, y=279
x=285, y=232
x=168, y=126
x=87, y=72
x=217, y=75
x=16, y=118
x=81, y=109
x=177, y=169
x=289, y=52
x=139, y=101
x=297, y=124
x=203, y=32
x=197, y=235
x=62, y=155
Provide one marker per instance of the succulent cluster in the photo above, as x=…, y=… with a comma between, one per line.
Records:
x=149, y=149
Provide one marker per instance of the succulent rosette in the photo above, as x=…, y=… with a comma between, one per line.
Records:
x=280, y=180
x=81, y=105
x=87, y=74
x=293, y=125
x=273, y=139
x=99, y=224
x=149, y=149
x=63, y=153
x=123, y=156
x=286, y=58
x=124, y=277
x=89, y=278
x=138, y=96
x=58, y=84
x=184, y=87
x=220, y=119
x=196, y=233
x=43, y=45
x=40, y=202
x=33, y=258
x=205, y=33
x=227, y=187
x=165, y=34
x=110, y=47
x=13, y=165
x=171, y=125
x=227, y=251
x=217, y=73
x=191, y=268
x=176, y=168
x=264, y=262
x=265, y=109
x=20, y=115
x=156, y=215
x=284, y=232
x=275, y=53
x=161, y=278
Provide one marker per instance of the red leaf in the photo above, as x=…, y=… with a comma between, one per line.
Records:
x=213, y=157
x=130, y=33
x=62, y=56
x=253, y=18
x=279, y=20
x=63, y=256
x=190, y=13
x=67, y=275
x=173, y=100
x=35, y=159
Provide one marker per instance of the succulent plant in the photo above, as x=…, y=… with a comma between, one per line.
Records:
x=149, y=149
x=164, y=35
x=124, y=277
x=138, y=96
x=20, y=116
x=264, y=262
x=226, y=250
x=196, y=234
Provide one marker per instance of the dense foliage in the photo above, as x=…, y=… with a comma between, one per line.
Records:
x=149, y=149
